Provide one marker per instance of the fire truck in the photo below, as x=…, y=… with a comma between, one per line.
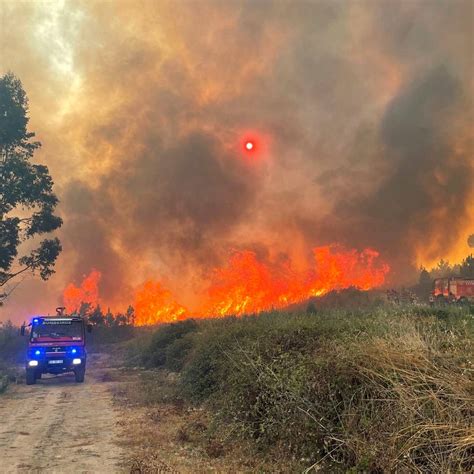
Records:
x=56, y=344
x=453, y=290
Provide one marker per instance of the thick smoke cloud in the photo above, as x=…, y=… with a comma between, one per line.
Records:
x=365, y=110
x=429, y=183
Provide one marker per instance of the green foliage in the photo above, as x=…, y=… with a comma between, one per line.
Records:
x=14, y=116
x=177, y=353
x=425, y=282
x=96, y=316
x=104, y=336
x=467, y=267
x=376, y=390
x=27, y=201
x=12, y=345
x=166, y=349
x=12, y=351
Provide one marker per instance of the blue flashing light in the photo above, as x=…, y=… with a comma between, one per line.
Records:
x=35, y=321
x=74, y=351
x=38, y=352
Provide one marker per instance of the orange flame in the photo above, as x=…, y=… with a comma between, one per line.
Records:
x=248, y=285
x=88, y=292
x=155, y=304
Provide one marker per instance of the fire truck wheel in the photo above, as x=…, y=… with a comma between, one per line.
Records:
x=80, y=374
x=38, y=375
x=30, y=377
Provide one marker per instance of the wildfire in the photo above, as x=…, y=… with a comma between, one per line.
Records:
x=155, y=304
x=336, y=268
x=247, y=284
x=88, y=292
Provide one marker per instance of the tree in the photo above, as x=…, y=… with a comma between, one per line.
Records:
x=109, y=318
x=97, y=317
x=425, y=283
x=27, y=201
x=467, y=267
x=130, y=315
x=443, y=269
x=84, y=310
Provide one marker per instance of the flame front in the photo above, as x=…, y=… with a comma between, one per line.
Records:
x=155, y=304
x=88, y=292
x=247, y=284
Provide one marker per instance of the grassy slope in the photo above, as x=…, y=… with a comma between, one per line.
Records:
x=368, y=390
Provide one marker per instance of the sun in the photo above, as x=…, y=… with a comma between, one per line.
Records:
x=252, y=146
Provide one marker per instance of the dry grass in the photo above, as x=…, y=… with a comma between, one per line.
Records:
x=163, y=434
x=426, y=398
x=394, y=395
x=365, y=391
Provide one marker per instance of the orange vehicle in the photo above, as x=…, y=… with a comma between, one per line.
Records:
x=453, y=290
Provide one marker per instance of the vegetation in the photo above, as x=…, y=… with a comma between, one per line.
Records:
x=97, y=317
x=385, y=389
x=11, y=352
x=27, y=201
x=465, y=269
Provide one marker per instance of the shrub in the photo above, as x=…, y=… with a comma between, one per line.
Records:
x=360, y=390
x=12, y=345
x=156, y=353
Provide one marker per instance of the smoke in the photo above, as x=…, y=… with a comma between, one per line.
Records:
x=365, y=109
x=429, y=185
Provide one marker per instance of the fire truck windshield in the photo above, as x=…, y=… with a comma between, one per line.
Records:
x=65, y=329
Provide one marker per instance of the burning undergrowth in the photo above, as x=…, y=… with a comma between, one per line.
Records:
x=248, y=284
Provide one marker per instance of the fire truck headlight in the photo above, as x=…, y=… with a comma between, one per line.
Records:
x=76, y=361
x=33, y=363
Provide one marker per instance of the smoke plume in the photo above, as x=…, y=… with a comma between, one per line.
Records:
x=363, y=109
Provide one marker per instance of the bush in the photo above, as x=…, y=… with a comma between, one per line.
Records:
x=159, y=352
x=12, y=345
x=378, y=390
x=12, y=351
x=102, y=336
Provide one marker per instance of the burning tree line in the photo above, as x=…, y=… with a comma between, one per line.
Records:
x=246, y=284
x=98, y=317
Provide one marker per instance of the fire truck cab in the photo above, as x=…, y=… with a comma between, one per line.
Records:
x=56, y=344
x=453, y=290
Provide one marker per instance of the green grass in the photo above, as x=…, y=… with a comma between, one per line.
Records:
x=369, y=390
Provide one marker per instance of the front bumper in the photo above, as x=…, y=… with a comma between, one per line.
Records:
x=56, y=365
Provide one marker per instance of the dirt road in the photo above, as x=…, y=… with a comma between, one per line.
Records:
x=58, y=426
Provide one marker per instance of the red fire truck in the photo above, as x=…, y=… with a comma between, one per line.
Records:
x=453, y=290
x=56, y=344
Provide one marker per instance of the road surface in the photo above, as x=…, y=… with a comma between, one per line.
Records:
x=58, y=426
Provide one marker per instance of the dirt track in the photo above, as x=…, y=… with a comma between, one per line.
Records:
x=58, y=426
